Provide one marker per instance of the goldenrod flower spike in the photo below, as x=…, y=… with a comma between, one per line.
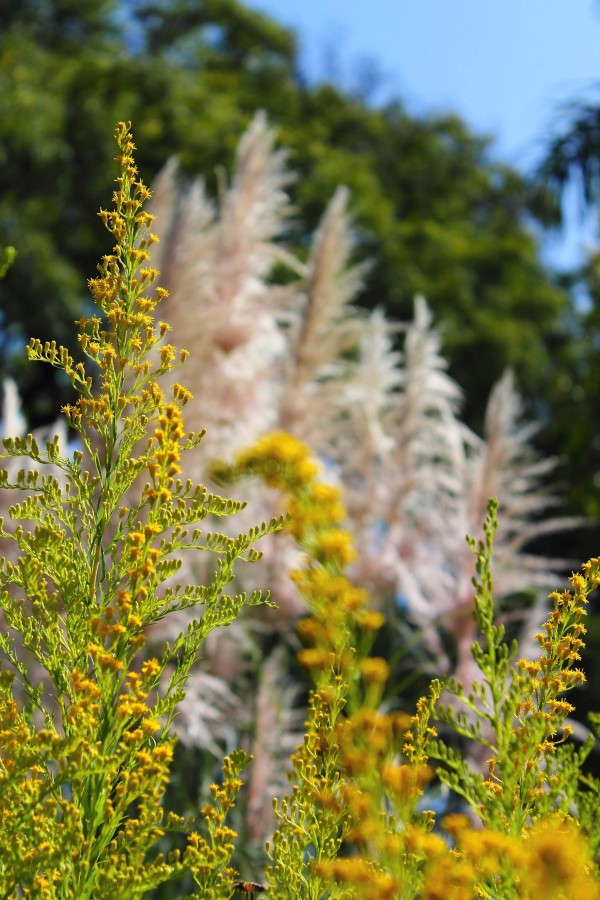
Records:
x=82, y=783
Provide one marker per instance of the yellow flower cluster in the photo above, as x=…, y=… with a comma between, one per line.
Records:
x=164, y=464
x=367, y=881
x=351, y=774
x=280, y=459
x=551, y=860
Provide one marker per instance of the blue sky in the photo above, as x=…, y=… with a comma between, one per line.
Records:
x=506, y=66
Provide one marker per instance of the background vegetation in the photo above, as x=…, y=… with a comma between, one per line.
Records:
x=434, y=213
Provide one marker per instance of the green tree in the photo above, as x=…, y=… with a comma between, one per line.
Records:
x=572, y=158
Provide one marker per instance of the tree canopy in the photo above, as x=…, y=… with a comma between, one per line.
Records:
x=572, y=158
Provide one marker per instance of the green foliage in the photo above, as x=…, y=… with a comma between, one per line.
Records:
x=86, y=715
x=7, y=257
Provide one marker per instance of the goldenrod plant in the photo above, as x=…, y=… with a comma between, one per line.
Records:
x=312, y=819
x=356, y=822
x=94, y=549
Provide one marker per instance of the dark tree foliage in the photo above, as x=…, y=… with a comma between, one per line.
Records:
x=574, y=153
x=573, y=158
x=61, y=24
